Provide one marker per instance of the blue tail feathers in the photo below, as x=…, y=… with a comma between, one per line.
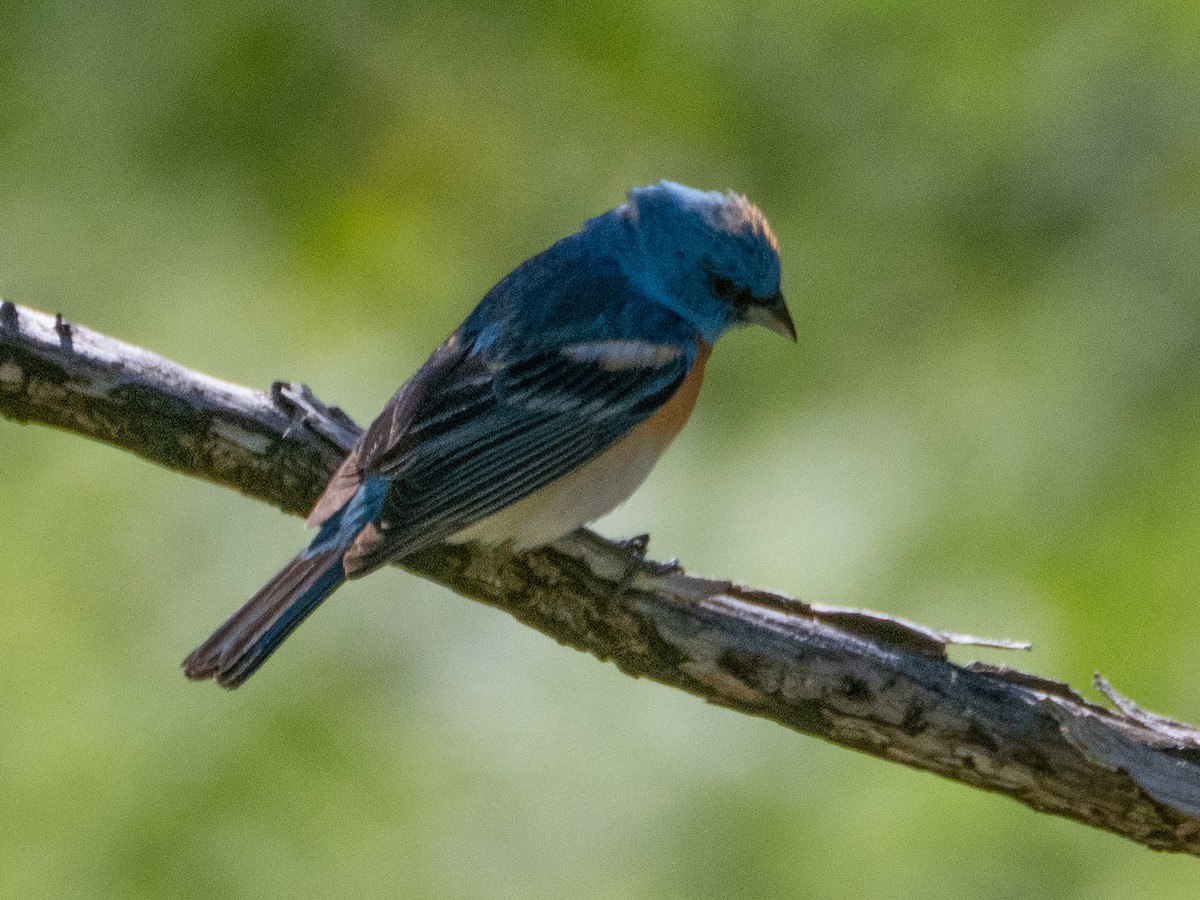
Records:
x=244, y=642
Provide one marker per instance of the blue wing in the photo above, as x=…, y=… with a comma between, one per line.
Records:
x=559, y=361
x=472, y=435
x=522, y=394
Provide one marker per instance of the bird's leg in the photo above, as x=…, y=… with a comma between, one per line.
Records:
x=637, y=546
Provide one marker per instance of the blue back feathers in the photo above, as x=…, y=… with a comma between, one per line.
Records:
x=660, y=253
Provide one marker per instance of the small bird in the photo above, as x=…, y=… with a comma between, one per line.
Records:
x=544, y=410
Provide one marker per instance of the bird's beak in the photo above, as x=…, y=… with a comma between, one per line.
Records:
x=772, y=313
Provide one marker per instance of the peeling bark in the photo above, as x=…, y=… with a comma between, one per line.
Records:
x=860, y=679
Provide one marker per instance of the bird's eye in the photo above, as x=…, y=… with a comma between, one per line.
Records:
x=724, y=288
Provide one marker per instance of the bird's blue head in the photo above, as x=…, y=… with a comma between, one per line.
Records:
x=711, y=257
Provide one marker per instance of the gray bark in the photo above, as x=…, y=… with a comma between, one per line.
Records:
x=859, y=679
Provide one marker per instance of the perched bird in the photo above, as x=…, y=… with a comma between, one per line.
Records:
x=544, y=410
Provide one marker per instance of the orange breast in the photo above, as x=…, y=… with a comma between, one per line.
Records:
x=668, y=420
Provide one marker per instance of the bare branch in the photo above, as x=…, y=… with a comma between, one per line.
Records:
x=859, y=679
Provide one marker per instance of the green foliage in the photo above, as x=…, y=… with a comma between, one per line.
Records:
x=988, y=220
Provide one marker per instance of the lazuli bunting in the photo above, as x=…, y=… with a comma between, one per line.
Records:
x=544, y=410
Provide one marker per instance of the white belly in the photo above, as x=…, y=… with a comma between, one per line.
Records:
x=594, y=489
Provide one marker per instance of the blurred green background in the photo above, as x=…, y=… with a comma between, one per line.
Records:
x=991, y=424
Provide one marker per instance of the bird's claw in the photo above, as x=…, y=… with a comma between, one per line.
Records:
x=669, y=567
x=636, y=545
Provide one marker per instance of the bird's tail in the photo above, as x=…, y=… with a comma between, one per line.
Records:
x=235, y=650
